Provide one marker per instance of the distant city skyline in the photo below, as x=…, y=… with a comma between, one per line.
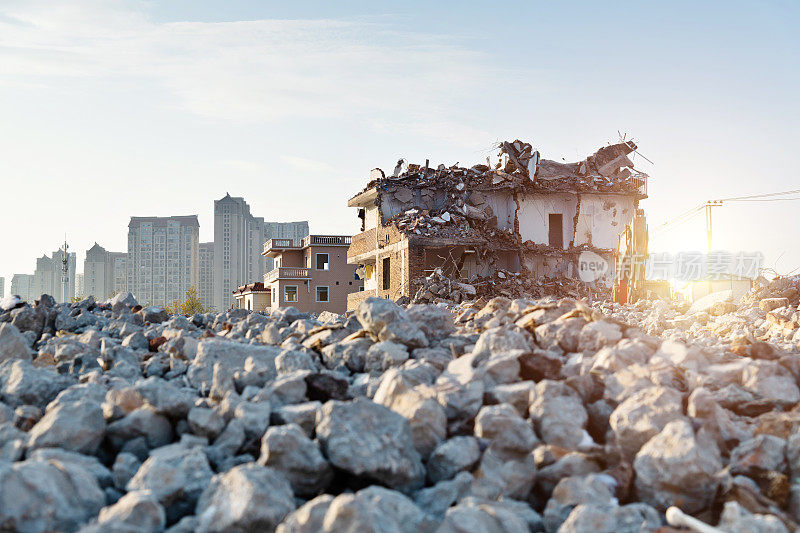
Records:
x=158, y=108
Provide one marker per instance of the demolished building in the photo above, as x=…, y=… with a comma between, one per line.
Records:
x=514, y=226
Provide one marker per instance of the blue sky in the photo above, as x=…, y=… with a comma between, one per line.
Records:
x=112, y=109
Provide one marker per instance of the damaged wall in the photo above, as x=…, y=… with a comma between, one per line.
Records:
x=603, y=218
x=600, y=219
x=534, y=212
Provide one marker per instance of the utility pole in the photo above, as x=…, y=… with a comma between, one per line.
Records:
x=65, y=271
x=708, y=205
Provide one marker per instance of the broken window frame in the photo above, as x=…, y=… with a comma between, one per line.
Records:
x=286, y=293
x=327, y=293
x=327, y=264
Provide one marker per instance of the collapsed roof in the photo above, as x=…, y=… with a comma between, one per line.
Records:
x=607, y=170
x=467, y=216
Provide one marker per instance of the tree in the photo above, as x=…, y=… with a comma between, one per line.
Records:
x=192, y=303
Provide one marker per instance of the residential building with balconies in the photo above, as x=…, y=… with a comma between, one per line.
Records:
x=311, y=275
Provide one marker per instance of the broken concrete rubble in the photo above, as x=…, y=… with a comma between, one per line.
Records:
x=524, y=414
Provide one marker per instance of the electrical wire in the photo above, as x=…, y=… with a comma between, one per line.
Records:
x=680, y=218
x=664, y=228
x=754, y=196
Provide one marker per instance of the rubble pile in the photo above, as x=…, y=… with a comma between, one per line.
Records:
x=437, y=288
x=765, y=323
x=515, y=415
x=450, y=202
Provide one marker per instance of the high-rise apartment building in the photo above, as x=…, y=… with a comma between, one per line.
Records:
x=2, y=287
x=105, y=273
x=80, y=288
x=206, y=289
x=163, y=258
x=48, y=274
x=119, y=271
x=238, y=242
x=22, y=286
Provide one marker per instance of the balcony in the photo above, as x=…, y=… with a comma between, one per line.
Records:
x=287, y=273
x=327, y=240
x=277, y=245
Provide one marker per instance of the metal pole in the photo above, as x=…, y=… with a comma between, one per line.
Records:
x=708, y=242
x=708, y=206
x=65, y=272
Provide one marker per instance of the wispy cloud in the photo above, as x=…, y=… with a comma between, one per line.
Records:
x=306, y=165
x=262, y=70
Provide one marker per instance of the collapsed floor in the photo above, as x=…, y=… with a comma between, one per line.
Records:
x=512, y=415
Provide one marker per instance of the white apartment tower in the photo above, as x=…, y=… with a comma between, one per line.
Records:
x=163, y=258
x=238, y=242
x=80, y=288
x=206, y=289
x=22, y=286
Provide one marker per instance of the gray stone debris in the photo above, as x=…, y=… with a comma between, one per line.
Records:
x=13, y=345
x=289, y=451
x=367, y=439
x=500, y=415
x=246, y=498
x=677, y=467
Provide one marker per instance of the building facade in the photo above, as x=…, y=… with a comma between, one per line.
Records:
x=2, y=287
x=22, y=286
x=529, y=217
x=238, y=240
x=105, y=273
x=163, y=258
x=253, y=297
x=80, y=288
x=119, y=271
x=312, y=275
x=206, y=289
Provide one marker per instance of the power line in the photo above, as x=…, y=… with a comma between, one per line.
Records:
x=766, y=195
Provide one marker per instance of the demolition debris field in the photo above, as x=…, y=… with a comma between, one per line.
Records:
x=493, y=414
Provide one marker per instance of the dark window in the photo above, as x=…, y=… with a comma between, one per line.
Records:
x=387, y=280
x=322, y=294
x=322, y=262
x=556, y=230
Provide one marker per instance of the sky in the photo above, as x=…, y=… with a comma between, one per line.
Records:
x=111, y=109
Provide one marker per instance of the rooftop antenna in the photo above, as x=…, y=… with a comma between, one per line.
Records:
x=65, y=270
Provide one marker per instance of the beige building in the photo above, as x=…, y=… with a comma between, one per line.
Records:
x=163, y=258
x=312, y=275
x=253, y=297
x=238, y=240
x=104, y=273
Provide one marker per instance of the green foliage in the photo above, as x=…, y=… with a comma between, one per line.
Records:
x=190, y=305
